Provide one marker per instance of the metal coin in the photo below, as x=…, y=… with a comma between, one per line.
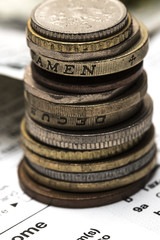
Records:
x=98, y=176
x=107, y=163
x=124, y=61
x=107, y=53
x=31, y=86
x=77, y=200
x=79, y=20
x=91, y=186
x=43, y=108
x=102, y=138
x=69, y=155
x=80, y=47
x=80, y=85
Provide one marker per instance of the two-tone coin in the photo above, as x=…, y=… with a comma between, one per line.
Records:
x=97, y=139
x=77, y=200
x=94, y=165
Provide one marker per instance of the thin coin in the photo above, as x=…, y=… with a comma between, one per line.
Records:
x=69, y=155
x=77, y=200
x=79, y=20
x=79, y=47
x=80, y=85
x=98, y=176
x=97, y=139
x=92, y=186
x=43, y=108
x=124, y=61
x=110, y=52
x=104, y=164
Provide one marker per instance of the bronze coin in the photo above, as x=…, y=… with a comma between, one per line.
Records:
x=86, y=85
x=77, y=200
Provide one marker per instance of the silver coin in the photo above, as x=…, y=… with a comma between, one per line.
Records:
x=100, y=139
x=96, y=176
x=79, y=20
x=107, y=53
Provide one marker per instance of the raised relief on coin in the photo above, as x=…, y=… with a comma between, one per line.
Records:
x=79, y=20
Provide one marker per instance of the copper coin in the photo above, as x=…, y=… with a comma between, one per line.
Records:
x=86, y=85
x=77, y=200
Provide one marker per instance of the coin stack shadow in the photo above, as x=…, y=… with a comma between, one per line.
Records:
x=87, y=135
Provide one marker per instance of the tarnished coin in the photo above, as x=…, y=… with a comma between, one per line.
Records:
x=99, y=67
x=31, y=86
x=80, y=47
x=80, y=85
x=95, y=176
x=107, y=163
x=97, y=139
x=107, y=53
x=43, y=108
x=69, y=155
x=91, y=186
x=77, y=200
x=75, y=20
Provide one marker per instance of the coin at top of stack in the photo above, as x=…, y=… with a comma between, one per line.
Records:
x=87, y=135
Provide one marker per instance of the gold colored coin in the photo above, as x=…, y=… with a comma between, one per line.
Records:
x=91, y=187
x=80, y=47
x=68, y=155
x=122, y=159
x=124, y=61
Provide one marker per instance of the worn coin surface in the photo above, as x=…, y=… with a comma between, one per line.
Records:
x=31, y=86
x=77, y=200
x=142, y=148
x=69, y=155
x=97, y=139
x=91, y=186
x=110, y=52
x=43, y=108
x=75, y=20
x=80, y=85
x=126, y=60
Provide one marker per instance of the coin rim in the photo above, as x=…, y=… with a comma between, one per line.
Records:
x=77, y=200
x=77, y=36
x=99, y=67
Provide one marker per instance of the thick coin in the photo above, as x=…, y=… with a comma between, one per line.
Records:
x=79, y=20
x=98, y=176
x=43, y=108
x=107, y=53
x=31, y=86
x=92, y=186
x=142, y=148
x=101, y=84
x=89, y=140
x=77, y=200
x=126, y=60
x=68, y=155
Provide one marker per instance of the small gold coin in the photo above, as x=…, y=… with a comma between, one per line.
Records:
x=80, y=47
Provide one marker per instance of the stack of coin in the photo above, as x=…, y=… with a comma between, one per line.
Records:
x=87, y=135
